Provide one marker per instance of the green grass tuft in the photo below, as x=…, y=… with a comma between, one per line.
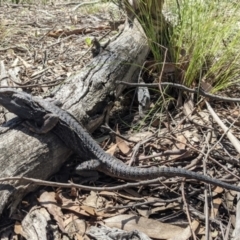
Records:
x=208, y=31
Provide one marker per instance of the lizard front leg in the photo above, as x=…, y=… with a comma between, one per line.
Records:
x=49, y=122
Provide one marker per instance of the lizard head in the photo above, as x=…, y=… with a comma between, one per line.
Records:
x=19, y=103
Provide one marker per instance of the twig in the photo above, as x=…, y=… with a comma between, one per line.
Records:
x=78, y=186
x=237, y=225
x=223, y=167
x=136, y=149
x=161, y=91
x=226, y=130
x=206, y=206
x=179, y=199
x=85, y=3
x=47, y=84
x=117, y=134
x=182, y=87
x=187, y=211
x=165, y=153
x=41, y=38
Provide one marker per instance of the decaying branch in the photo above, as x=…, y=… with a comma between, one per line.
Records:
x=87, y=96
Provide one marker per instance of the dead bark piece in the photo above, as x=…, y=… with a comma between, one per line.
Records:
x=106, y=233
x=36, y=225
x=86, y=96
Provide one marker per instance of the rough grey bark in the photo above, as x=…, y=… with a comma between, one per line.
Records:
x=86, y=96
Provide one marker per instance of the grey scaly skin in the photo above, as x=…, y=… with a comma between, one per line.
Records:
x=48, y=117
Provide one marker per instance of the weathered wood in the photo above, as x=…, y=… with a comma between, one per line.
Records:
x=86, y=96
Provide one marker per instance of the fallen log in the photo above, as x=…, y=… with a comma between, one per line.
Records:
x=86, y=96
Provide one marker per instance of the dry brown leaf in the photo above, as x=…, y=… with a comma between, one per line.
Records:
x=26, y=64
x=218, y=189
x=74, y=206
x=47, y=200
x=74, y=19
x=90, y=210
x=78, y=237
x=58, y=198
x=109, y=194
x=76, y=229
x=18, y=228
x=188, y=107
x=156, y=123
x=79, y=210
x=201, y=231
x=94, y=200
x=83, y=30
x=137, y=137
x=112, y=149
x=187, y=232
x=230, y=198
x=216, y=203
x=207, y=87
x=152, y=228
x=215, y=233
x=68, y=218
x=235, y=113
x=74, y=192
x=180, y=144
x=15, y=63
x=38, y=72
x=169, y=68
x=134, y=193
x=148, y=212
x=195, y=139
x=130, y=197
x=122, y=145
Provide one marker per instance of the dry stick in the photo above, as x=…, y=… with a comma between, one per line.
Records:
x=47, y=84
x=197, y=150
x=197, y=159
x=40, y=182
x=60, y=40
x=227, y=232
x=136, y=149
x=200, y=216
x=223, y=167
x=134, y=205
x=166, y=153
x=208, y=139
x=117, y=134
x=226, y=130
x=84, y=187
x=198, y=91
x=188, y=145
x=85, y=3
x=160, y=88
x=187, y=211
x=179, y=200
x=202, y=154
x=41, y=38
x=237, y=225
x=229, y=158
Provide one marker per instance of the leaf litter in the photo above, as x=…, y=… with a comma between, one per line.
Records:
x=42, y=43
